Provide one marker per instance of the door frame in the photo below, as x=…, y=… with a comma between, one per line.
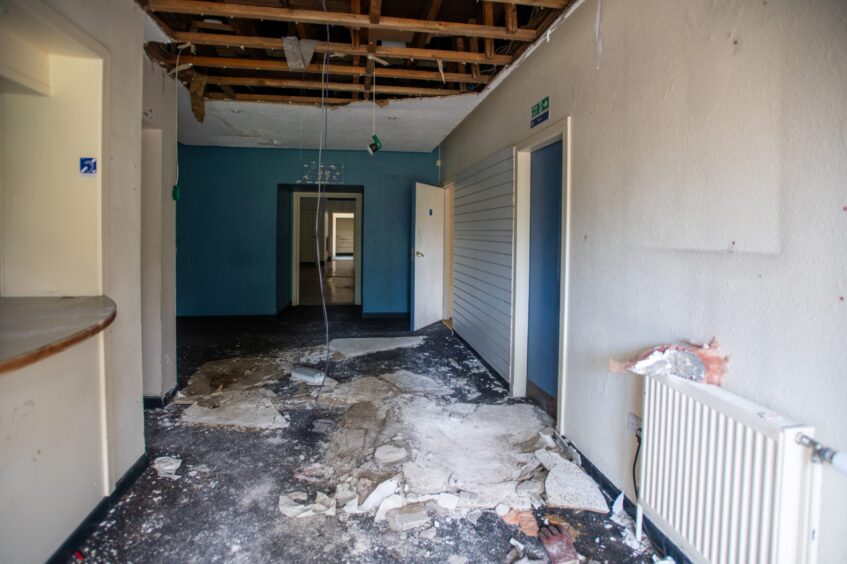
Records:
x=295, y=241
x=557, y=131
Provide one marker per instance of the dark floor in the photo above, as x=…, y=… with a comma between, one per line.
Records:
x=339, y=279
x=224, y=508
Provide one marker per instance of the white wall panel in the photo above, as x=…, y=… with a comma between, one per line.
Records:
x=482, y=258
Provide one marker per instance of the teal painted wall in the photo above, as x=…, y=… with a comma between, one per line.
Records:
x=227, y=225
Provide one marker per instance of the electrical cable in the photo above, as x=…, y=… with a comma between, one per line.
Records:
x=176, y=108
x=318, y=242
x=635, y=464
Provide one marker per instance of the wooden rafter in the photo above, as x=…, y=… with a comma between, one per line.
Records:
x=555, y=4
x=430, y=12
x=315, y=68
x=279, y=99
x=204, y=8
x=220, y=40
x=488, y=20
x=331, y=86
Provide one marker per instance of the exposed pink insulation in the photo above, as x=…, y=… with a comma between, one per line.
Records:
x=700, y=363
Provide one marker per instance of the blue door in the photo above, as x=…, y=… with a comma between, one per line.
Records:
x=545, y=235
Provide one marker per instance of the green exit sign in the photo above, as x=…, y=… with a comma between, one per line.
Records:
x=540, y=112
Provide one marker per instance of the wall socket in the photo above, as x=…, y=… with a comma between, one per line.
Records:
x=633, y=422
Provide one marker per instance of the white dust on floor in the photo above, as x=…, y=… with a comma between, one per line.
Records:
x=360, y=346
x=232, y=392
x=400, y=451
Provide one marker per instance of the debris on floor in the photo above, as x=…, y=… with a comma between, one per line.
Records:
x=166, y=467
x=703, y=363
x=249, y=409
x=307, y=375
x=350, y=348
x=402, y=457
x=231, y=374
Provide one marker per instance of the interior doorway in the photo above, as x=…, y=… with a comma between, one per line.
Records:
x=545, y=257
x=541, y=269
x=326, y=245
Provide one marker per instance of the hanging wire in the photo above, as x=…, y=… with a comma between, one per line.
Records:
x=373, y=113
x=176, y=108
x=318, y=215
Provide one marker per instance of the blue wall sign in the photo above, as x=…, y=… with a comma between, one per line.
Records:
x=87, y=166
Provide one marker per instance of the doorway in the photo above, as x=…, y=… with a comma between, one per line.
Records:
x=335, y=248
x=545, y=235
x=540, y=268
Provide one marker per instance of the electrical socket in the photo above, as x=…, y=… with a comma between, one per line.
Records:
x=633, y=422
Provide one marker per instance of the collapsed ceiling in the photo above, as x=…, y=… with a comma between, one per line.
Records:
x=419, y=56
x=410, y=48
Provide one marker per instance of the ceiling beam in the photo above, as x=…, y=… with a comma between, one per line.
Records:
x=555, y=4
x=343, y=70
x=488, y=19
x=316, y=85
x=204, y=8
x=277, y=99
x=247, y=41
x=429, y=12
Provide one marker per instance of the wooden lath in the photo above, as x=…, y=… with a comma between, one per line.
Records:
x=365, y=21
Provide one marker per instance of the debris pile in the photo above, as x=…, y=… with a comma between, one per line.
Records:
x=403, y=453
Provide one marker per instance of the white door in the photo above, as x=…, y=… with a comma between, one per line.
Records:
x=428, y=265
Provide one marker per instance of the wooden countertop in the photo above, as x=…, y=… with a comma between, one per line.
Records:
x=34, y=328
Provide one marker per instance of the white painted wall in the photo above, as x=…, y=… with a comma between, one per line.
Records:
x=51, y=220
x=709, y=166
x=51, y=456
x=84, y=427
x=158, y=231
x=117, y=26
x=344, y=234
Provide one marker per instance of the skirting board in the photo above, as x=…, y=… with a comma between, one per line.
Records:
x=78, y=537
x=158, y=402
x=659, y=540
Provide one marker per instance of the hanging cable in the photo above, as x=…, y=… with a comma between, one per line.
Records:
x=176, y=115
x=318, y=215
x=635, y=464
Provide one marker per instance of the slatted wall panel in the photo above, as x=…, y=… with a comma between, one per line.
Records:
x=482, y=258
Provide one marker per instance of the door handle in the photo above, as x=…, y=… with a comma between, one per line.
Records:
x=419, y=254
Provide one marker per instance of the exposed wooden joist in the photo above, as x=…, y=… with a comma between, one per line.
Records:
x=204, y=8
x=374, y=11
x=488, y=19
x=342, y=70
x=220, y=40
x=430, y=12
x=555, y=4
x=473, y=46
x=316, y=85
x=277, y=99
x=511, y=18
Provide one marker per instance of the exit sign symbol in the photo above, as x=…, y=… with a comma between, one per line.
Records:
x=540, y=112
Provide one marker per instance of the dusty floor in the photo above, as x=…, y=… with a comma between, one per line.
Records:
x=225, y=505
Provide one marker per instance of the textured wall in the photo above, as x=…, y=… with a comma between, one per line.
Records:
x=709, y=166
x=227, y=224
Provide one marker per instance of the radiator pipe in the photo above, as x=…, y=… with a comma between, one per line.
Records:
x=821, y=453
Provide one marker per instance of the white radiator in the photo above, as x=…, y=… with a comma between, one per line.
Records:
x=724, y=478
